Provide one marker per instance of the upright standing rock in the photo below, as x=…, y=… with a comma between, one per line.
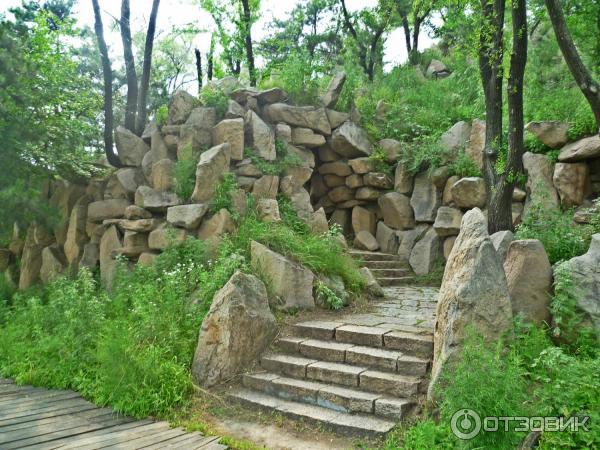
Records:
x=330, y=97
x=260, y=136
x=237, y=329
x=529, y=277
x=31, y=260
x=53, y=263
x=231, y=131
x=76, y=236
x=131, y=148
x=425, y=252
x=111, y=240
x=571, y=182
x=501, y=241
x=397, y=212
x=209, y=171
x=474, y=293
x=539, y=182
x=426, y=198
x=351, y=141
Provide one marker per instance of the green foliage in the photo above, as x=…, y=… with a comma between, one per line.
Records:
x=329, y=297
x=283, y=160
x=464, y=166
x=423, y=153
x=184, y=173
x=161, y=115
x=222, y=197
x=379, y=161
x=210, y=95
x=555, y=229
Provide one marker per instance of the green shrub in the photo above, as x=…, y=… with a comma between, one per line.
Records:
x=464, y=166
x=379, y=161
x=554, y=228
x=161, y=115
x=184, y=173
x=212, y=96
x=283, y=160
x=222, y=198
x=329, y=297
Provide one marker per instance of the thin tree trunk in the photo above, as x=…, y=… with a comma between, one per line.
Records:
x=500, y=210
x=198, y=68
x=211, y=53
x=132, y=83
x=406, y=27
x=112, y=158
x=414, y=52
x=583, y=77
x=490, y=67
x=142, y=108
x=248, y=41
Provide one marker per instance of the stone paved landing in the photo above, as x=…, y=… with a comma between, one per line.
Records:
x=354, y=373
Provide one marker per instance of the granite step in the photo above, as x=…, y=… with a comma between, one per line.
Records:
x=340, y=399
x=392, y=264
x=348, y=424
x=342, y=374
x=394, y=281
x=373, y=357
x=390, y=272
x=363, y=255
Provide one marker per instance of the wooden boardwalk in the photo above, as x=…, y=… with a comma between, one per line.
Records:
x=36, y=418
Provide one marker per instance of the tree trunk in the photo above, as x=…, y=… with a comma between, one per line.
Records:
x=500, y=211
x=581, y=74
x=211, y=53
x=248, y=41
x=413, y=56
x=198, y=68
x=406, y=27
x=490, y=67
x=112, y=158
x=132, y=83
x=142, y=108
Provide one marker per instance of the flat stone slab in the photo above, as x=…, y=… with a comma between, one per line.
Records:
x=337, y=373
x=317, y=329
x=289, y=365
x=342, y=399
x=361, y=335
x=389, y=383
x=290, y=344
x=409, y=343
x=394, y=408
x=373, y=357
x=324, y=350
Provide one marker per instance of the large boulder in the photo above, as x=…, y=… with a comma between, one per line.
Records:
x=501, y=241
x=529, y=277
x=447, y=221
x=366, y=241
x=456, y=137
x=76, y=235
x=152, y=200
x=387, y=238
x=581, y=150
x=111, y=241
x=397, y=212
x=162, y=178
x=180, y=107
x=539, y=171
x=31, y=260
x=123, y=183
x=217, y=226
x=196, y=132
x=107, y=209
x=158, y=151
x=238, y=327
x=54, y=263
x=408, y=239
x=371, y=284
x=363, y=219
x=336, y=118
x=474, y=293
x=426, y=252
x=334, y=89
x=260, y=136
x=299, y=116
x=266, y=186
x=403, y=180
x=186, y=216
x=290, y=281
x=131, y=148
x=307, y=137
x=551, y=133
x=391, y=148
x=476, y=145
x=164, y=236
x=362, y=165
x=351, y=141
x=469, y=193
x=267, y=210
x=378, y=180
x=571, y=181
x=585, y=276
x=339, y=168
x=209, y=172
x=425, y=199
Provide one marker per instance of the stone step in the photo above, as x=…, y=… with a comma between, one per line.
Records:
x=420, y=345
x=390, y=273
x=373, y=357
x=362, y=255
x=340, y=399
x=374, y=265
x=343, y=374
x=349, y=424
x=394, y=281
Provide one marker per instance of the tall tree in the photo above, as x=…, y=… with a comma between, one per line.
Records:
x=198, y=67
x=413, y=15
x=112, y=158
x=130, y=72
x=247, y=21
x=142, y=106
x=501, y=173
x=583, y=77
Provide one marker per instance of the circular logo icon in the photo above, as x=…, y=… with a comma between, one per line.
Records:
x=465, y=424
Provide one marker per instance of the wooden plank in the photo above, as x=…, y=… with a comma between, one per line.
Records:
x=91, y=438
x=85, y=415
x=18, y=395
x=40, y=398
x=7, y=389
x=15, y=434
x=6, y=381
x=21, y=412
x=211, y=446
x=116, y=437
x=57, y=435
x=143, y=441
x=45, y=415
x=188, y=440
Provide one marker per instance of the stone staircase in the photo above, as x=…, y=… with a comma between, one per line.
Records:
x=359, y=374
x=387, y=268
